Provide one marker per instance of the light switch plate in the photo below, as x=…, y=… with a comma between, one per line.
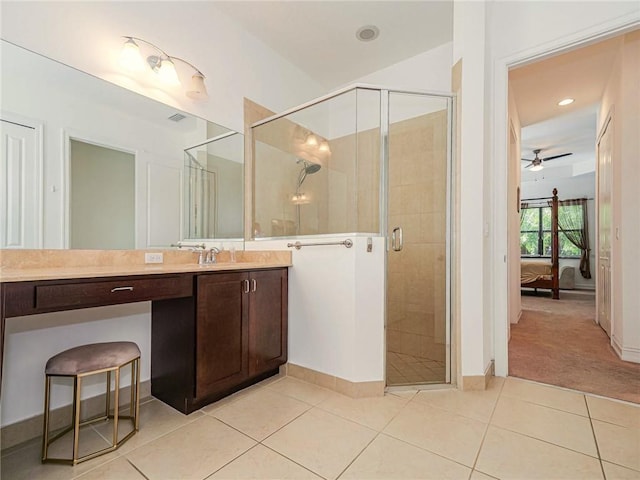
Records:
x=153, y=257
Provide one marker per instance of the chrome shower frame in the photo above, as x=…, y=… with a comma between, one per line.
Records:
x=384, y=91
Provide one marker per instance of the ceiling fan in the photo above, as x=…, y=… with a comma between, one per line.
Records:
x=536, y=163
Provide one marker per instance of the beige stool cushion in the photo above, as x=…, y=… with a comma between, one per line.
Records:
x=92, y=357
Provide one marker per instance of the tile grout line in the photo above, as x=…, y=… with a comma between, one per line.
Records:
x=486, y=430
x=292, y=460
x=136, y=468
x=557, y=409
x=418, y=446
x=545, y=441
x=232, y=460
x=378, y=433
x=595, y=439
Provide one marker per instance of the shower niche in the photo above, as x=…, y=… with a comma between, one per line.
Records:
x=375, y=162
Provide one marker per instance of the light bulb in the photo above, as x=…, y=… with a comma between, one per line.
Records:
x=311, y=141
x=167, y=72
x=130, y=57
x=324, y=147
x=565, y=102
x=198, y=89
x=536, y=168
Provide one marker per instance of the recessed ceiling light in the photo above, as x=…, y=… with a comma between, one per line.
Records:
x=566, y=101
x=367, y=33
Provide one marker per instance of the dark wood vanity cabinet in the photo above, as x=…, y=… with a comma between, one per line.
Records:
x=233, y=332
x=222, y=332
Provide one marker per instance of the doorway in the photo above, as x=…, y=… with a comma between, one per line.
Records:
x=556, y=341
x=101, y=197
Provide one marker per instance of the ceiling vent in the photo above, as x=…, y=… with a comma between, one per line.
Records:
x=176, y=117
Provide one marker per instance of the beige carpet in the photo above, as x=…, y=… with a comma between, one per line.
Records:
x=557, y=342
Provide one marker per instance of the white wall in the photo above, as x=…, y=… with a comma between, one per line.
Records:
x=336, y=306
x=426, y=71
x=475, y=328
x=87, y=36
x=518, y=32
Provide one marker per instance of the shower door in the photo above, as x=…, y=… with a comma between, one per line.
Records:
x=418, y=326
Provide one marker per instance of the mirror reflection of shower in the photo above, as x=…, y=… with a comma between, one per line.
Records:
x=214, y=188
x=308, y=168
x=201, y=191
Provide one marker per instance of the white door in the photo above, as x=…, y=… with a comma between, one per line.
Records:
x=20, y=187
x=603, y=292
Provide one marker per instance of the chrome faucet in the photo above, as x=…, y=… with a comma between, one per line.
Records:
x=210, y=258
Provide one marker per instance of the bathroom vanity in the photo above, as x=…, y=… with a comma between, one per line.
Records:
x=214, y=329
x=231, y=333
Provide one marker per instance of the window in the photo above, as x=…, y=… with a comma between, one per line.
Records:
x=535, y=232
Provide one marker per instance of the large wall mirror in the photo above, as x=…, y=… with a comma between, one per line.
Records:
x=88, y=164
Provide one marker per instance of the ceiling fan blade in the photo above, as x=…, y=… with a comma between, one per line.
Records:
x=526, y=160
x=557, y=156
x=530, y=165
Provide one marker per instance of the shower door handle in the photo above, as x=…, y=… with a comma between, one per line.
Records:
x=396, y=239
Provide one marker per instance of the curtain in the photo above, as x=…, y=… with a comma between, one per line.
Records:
x=523, y=206
x=576, y=229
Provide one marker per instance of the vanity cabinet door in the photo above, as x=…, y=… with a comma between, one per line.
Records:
x=267, y=320
x=221, y=332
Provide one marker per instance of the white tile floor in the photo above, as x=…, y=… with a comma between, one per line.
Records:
x=287, y=429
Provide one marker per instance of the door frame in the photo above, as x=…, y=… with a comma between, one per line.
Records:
x=499, y=263
x=38, y=127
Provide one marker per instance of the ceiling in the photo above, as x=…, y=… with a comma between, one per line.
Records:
x=319, y=37
x=581, y=74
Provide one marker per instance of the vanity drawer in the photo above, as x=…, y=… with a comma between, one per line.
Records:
x=126, y=290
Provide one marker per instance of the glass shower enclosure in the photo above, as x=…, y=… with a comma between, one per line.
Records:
x=375, y=162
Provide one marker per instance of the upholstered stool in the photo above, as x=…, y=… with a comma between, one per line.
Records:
x=80, y=362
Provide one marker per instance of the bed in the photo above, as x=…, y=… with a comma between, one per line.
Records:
x=544, y=274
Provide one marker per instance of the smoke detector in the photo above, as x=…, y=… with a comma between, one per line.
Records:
x=367, y=33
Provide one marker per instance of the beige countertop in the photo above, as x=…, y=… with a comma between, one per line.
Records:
x=24, y=265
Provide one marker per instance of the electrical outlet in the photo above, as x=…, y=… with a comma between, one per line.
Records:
x=153, y=258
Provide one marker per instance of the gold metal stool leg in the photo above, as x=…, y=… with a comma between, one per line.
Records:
x=47, y=402
x=77, y=384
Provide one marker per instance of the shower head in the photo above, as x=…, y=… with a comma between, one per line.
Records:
x=308, y=168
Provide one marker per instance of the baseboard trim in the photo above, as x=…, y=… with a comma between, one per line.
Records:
x=337, y=384
x=30, y=428
x=478, y=382
x=628, y=354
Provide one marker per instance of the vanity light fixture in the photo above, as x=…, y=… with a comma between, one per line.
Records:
x=163, y=65
x=566, y=101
